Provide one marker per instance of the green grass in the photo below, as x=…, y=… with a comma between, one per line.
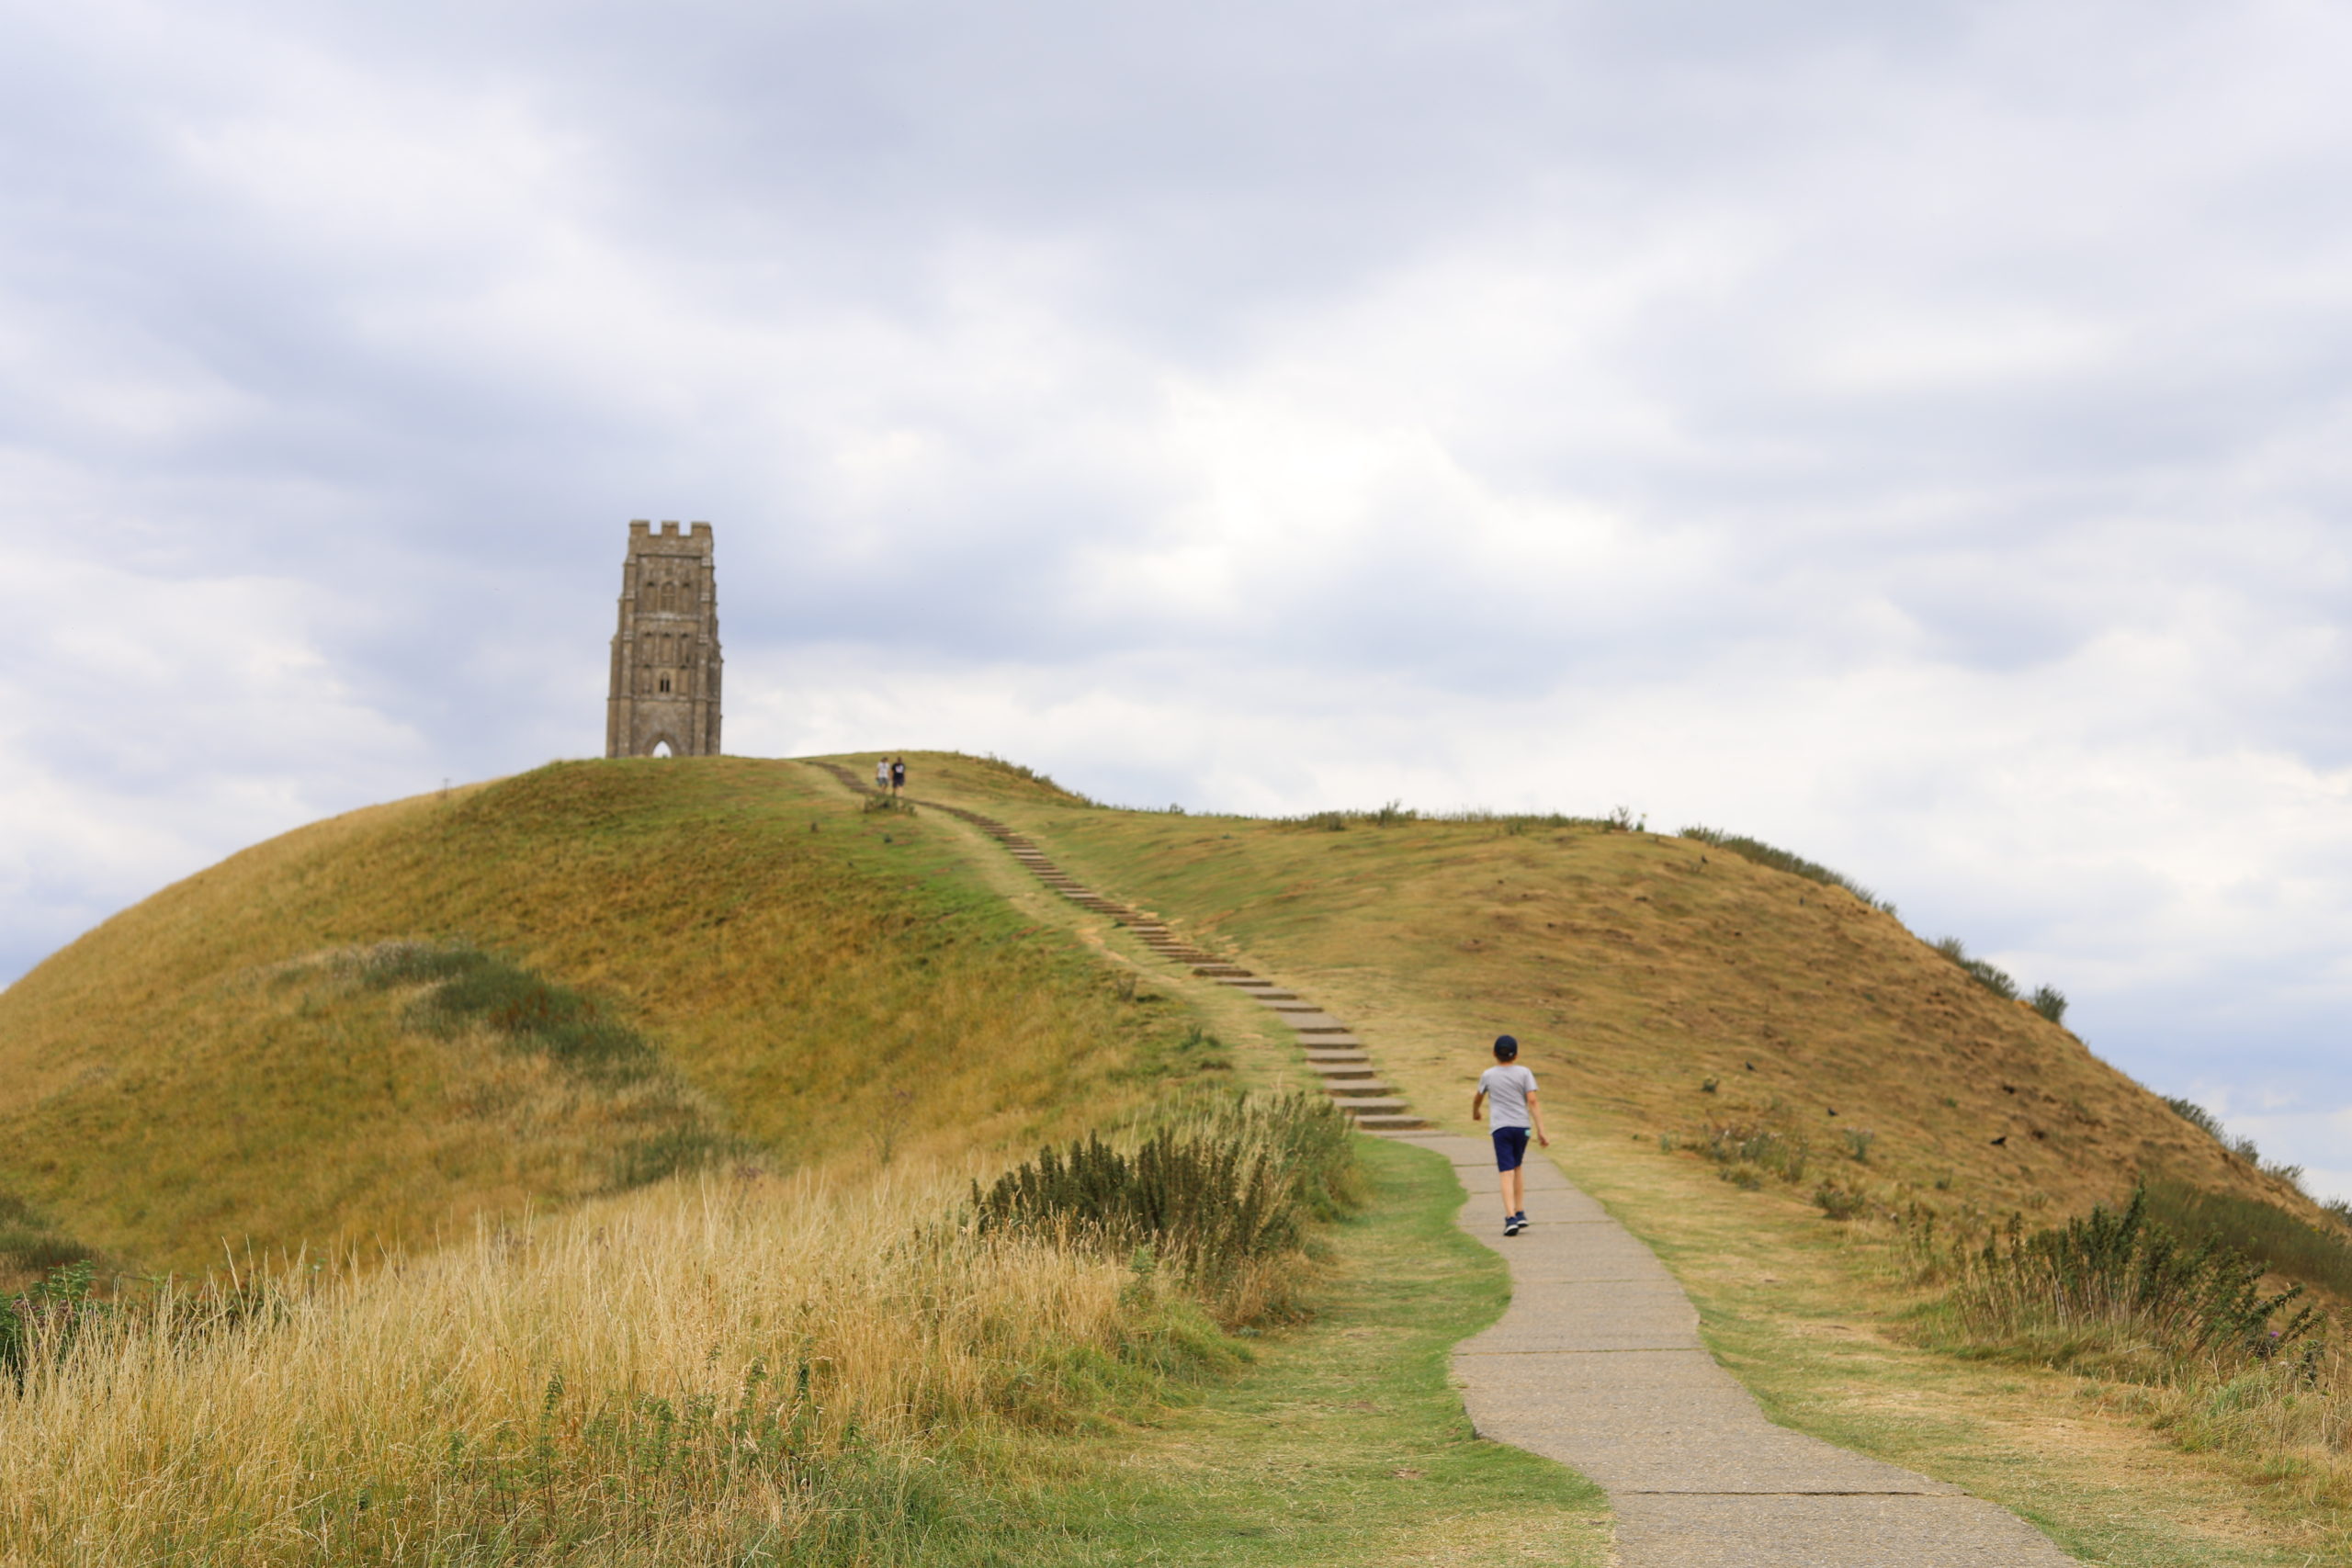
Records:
x=1820, y=1322
x=1345, y=1441
x=823, y=982
x=2264, y=1232
x=1640, y=973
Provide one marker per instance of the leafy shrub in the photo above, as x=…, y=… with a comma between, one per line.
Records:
x=1232, y=1184
x=1764, y=1148
x=2050, y=1002
x=2116, y=1287
x=1836, y=1202
x=1763, y=853
x=1993, y=978
x=46, y=1320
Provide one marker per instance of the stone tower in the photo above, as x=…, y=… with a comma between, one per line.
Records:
x=665, y=656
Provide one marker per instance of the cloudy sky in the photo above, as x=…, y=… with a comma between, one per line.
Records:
x=1919, y=436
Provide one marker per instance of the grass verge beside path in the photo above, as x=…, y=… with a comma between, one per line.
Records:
x=1346, y=1442
x=1785, y=1303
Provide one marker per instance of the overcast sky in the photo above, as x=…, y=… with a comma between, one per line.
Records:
x=1915, y=435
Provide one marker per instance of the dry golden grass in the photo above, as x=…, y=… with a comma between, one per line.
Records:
x=1633, y=967
x=827, y=981
x=671, y=1377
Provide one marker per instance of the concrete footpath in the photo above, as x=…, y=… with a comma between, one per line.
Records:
x=1598, y=1363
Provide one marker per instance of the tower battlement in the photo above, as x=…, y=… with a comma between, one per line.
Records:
x=665, y=675
x=697, y=535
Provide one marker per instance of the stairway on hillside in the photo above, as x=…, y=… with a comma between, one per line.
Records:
x=1334, y=1055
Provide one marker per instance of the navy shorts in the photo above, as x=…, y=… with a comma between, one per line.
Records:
x=1510, y=1148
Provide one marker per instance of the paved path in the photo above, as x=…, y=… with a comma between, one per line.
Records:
x=1597, y=1363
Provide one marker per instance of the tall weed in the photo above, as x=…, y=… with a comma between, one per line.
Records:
x=2116, y=1292
x=1219, y=1194
x=1753, y=1149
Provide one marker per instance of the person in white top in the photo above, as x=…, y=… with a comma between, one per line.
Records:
x=882, y=776
x=1511, y=1090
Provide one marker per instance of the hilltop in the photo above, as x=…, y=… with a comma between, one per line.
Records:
x=232, y=1062
x=1664, y=984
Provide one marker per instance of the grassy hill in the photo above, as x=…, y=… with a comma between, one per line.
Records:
x=1665, y=984
x=556, y=989
x=1775, y=1085
x=240, y=1061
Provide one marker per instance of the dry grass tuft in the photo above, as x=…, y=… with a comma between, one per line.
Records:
x=680, y=1376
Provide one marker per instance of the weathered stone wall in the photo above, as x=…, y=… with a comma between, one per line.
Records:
x=665, y=655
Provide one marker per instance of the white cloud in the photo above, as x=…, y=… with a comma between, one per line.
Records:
x=1916, y=437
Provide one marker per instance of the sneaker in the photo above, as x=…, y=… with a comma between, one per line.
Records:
x=1510, y=1226
x=1521, y=1217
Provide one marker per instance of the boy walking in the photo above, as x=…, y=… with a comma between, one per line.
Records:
x=1511, y=1088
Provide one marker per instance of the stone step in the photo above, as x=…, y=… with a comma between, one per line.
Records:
x=1359, y=1090
x=1390, y=1122
x=1335, y=1058
x=1275, y=1000
x=1374, y=1106
x=1318, y=1044
x=1330, y=1072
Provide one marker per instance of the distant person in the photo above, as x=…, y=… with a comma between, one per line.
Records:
x=1511, y=1088
x=897, y=775
x=882, y=775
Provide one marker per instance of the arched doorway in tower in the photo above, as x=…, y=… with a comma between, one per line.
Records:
x=662, y=749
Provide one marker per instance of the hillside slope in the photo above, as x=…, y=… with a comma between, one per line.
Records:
x=1694, y=1016
x=205, y=1069
x=1635, y=968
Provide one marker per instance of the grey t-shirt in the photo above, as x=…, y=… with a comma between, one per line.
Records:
x=1506, y=1085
